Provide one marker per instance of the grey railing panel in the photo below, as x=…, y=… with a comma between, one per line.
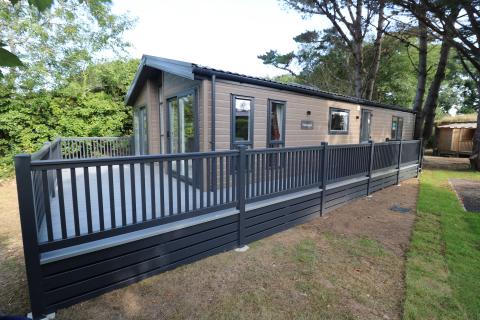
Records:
x=93, y=195
x=96, y=147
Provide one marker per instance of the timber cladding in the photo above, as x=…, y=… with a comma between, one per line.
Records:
x=296, y=111
x=155, y=92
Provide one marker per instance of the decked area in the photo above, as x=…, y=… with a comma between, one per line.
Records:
x=94, y=221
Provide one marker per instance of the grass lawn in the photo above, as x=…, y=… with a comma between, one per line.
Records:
x=443, y=263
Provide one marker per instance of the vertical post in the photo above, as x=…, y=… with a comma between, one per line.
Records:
x=399, y=161
x=420, y=157
x=29, y=231
x=324, y=177
x=242, y=157
x=370, y=168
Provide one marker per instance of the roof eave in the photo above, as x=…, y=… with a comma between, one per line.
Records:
x=276, y=85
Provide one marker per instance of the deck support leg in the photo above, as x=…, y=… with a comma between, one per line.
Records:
x=324, y=177
x=399, y=162
x=370, y=168
x=241, y=194
x=420, y=157
x=29, y=232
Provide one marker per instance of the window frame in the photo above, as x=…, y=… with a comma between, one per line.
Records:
x=276, y=143
x=334, y=132
x=143, y=146
x=249, y=142
x=397, y=118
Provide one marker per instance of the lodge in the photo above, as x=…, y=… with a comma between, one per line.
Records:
x=185, y=107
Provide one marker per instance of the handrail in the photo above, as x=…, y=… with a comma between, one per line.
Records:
x=211, y=177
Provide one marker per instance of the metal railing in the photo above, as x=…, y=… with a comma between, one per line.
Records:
x=96, y=147
x=91, y=197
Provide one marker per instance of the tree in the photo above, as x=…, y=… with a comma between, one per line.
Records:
x=63, y=39
x=351, y=23
x=463, y=33
x=94, y=107
x=65, y=87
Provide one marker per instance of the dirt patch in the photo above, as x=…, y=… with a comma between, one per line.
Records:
x=446, y=163
x=468, y=192
x=346, y=265
x=373, y=217
x=13, y=283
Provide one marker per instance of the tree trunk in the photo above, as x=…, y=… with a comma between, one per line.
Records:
x=428, y=113
x=377, y=47
x=475, y=157
x=421, y=76
x=358, y=49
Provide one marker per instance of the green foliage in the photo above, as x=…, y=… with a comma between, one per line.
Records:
x=65, y=87
x=28, y=120
x=325, y=62
x=61, y=41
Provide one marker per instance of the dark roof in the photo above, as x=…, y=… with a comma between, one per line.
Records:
x=190, y=70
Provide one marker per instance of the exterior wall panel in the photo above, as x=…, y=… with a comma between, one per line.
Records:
x=297, y=107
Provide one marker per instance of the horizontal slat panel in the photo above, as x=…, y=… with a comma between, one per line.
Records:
x=98, y=256
x=138, y=277
x=122, y=274
x=65, y=278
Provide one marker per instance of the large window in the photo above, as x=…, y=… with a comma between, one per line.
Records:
x=140, y=130
x=276, y=123
x=242, y=120
x=397, y=128
x=338, y=121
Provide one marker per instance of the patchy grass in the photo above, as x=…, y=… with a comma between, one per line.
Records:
x=442, y=272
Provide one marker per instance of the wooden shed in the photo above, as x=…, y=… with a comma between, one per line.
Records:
x=454, y=135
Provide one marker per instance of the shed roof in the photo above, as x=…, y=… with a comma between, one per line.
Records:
x=192, y=70
x=464, y=125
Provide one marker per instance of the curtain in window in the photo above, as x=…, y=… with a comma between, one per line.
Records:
x=275, y=123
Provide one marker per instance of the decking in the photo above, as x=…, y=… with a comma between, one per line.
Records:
x=92, y=222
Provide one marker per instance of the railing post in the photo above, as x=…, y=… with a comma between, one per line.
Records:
x=370, y=167
x=241, y=194
x=324, y=177
x=399, y=161
x=420, y=156
x=29, y=232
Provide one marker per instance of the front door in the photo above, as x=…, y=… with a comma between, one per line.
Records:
x=366, y=126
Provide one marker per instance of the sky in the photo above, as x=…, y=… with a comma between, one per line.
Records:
x=223, y=34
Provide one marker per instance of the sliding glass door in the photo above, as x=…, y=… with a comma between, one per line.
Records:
x=182, y=126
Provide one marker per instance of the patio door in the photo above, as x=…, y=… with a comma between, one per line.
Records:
x=182, y=127
x=140, y=130
x=366, y=126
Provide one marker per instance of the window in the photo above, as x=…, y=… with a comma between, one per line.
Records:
x=276, y=123
x=338, y=121
x=397, y=128
x=242, y=120
x=140, y=130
